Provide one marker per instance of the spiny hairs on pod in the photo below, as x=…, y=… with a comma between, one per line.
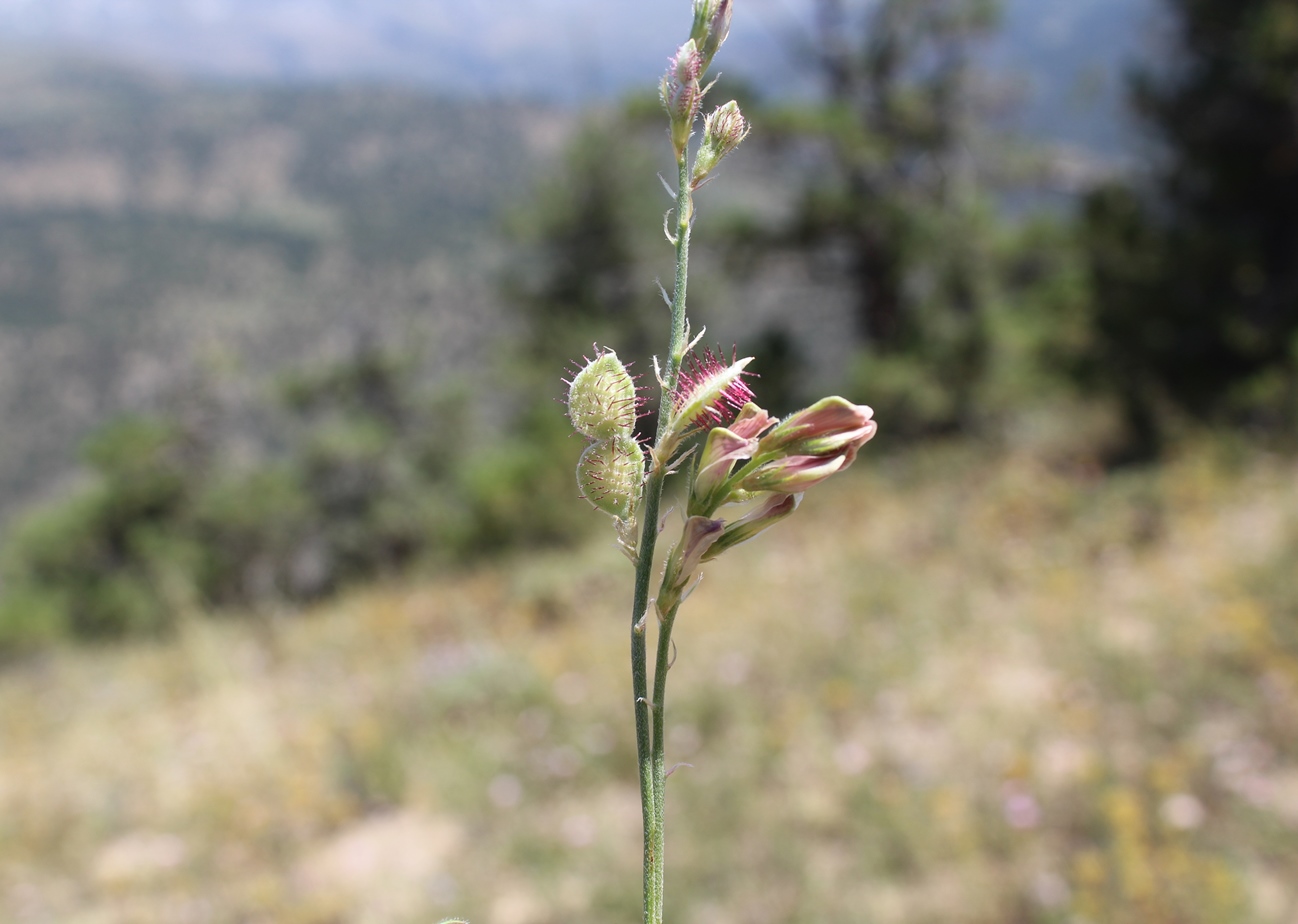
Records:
x=715, y=386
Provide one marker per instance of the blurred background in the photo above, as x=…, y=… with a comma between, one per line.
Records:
x=301, y=619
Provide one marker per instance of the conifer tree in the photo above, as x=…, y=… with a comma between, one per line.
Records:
x=1195, y=269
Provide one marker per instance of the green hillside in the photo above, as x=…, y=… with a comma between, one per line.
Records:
x=153, y=229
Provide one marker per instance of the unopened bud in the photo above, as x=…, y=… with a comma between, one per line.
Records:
x=723, y=129
x=711, y=26
x=793, y=474
x=683, y=562
x=681, y=93
x=775, y=508
x=602, y=398
x=704, y=10
x=610, y=473
x=831, y=426
x=721, y=450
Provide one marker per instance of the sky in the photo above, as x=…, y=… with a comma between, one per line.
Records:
x=555, y=50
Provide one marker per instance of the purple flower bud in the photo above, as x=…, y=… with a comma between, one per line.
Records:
x=723, y=129
x=681, y=93
x=719, y=28
x=752, y=421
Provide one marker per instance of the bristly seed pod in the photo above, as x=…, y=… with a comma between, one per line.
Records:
x=602, y=398
x=610, y=474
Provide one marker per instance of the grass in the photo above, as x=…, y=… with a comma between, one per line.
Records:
x=956, y=687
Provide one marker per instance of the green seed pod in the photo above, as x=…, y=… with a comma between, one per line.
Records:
x=610, y=474
x=602, y=399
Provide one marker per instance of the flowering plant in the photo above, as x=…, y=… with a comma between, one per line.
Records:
x=709, y=425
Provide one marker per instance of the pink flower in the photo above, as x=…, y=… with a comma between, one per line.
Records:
x=831, y=426
x=752, y=421
x=720, y=452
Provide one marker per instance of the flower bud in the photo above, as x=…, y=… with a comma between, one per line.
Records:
x=681, y=93
x=720, y=452
x=752, y=421
x=723, y=129
x=793, y=474
x=610, y=474
x=711, y=26
x=602, y=398
x=773, y=510
x=704, y=11
x=698, y=536
x=830, y=426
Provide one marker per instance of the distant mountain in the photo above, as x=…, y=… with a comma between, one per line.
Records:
x=153, y=225
x=161, y=234
x=1070, y=53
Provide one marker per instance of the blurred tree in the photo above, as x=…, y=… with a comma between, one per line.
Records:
x=895, y=117
x=889, y=207
x=1195, y=268
x=583, y=247
x=581, y=242
x=374, y=473
x=106, y=561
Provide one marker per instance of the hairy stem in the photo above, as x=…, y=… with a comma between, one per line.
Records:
x=649, y=745
x=640, y=687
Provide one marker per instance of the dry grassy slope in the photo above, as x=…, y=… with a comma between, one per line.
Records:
x=953, y=688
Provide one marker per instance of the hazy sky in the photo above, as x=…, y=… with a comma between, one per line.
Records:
x=565, y=49
x=553, y=47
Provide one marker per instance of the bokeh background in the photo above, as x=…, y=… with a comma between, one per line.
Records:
x=301, y=619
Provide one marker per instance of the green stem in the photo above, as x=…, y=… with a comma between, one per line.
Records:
x=649, y=745
x=640, y=687
x=661, y=666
